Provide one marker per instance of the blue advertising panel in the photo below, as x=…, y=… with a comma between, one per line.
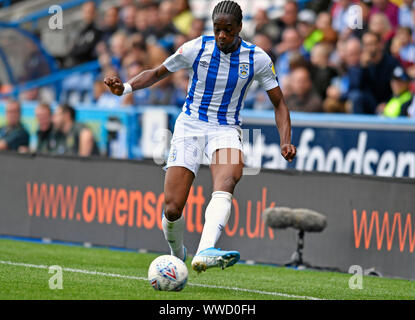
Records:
x=96, y=119
x=342, y=143
x=335, y=143
x=117, y=130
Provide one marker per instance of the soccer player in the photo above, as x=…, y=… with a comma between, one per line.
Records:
x=221, y=70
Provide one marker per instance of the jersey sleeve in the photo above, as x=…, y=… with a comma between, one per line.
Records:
x=183, y=58
x=265, y=71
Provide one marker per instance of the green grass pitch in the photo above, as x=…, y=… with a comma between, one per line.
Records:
x=100, y=273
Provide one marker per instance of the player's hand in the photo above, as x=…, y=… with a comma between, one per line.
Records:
x=115, y=84
x=288, y=151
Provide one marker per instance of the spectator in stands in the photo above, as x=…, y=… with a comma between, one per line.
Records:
x=152, y=22
x=377, y=70
x=398, y=105
x=323, y=23
x=141, y=97
x=405, y=14
x=265, y=43
x=111, y=60
x=179, y=40
x=388, y=8
x=103, y=98
x=104, y=56
x=72, y=138
x=297, y=60
x=128, y=19
x=308, y=30
x=413, y=20
x=137, y=48
x=379, y=24
x=288, y=19
x=198, y=27
x=261, y=20
x=141, y=19
x=303, y=97
x=34, y=63
x=317, y=5
x=183, y=16
x=347, y=81
x=153, y=28
x=14, y=136
x=166, y=14
x=291, y=43
x=110, y=24
x=123, y=4
x=411, y=69
x=321, y=73
x=406, y=47
x=257, y=97
x=340, y=13
x=165, y=31
x=264, y=25
x=86, y=38
x=46, y=142
x=161, y=93
x=118, y=49
x=146, y=2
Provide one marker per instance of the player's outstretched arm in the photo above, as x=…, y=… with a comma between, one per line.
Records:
x=143, y=80
x=283, y=121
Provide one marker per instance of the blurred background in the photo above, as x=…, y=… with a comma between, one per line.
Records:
x=346, y=69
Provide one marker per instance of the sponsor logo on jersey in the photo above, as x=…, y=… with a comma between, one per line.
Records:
x=204, y=64
x=271, y=65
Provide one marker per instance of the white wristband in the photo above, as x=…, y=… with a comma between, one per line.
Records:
x=127, y=88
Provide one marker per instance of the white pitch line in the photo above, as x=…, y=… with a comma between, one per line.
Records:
x=285, y=295
x=115, y=275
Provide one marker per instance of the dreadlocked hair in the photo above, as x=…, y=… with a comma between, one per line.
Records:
x=228, y=7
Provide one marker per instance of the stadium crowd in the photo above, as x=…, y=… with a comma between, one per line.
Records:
x=344, y=56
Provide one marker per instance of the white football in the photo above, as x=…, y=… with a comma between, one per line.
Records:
x=167, y=273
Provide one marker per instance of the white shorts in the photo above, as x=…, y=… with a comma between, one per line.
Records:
x=194, y=142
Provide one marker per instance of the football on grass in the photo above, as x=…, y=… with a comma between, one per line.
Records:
x=167, y=273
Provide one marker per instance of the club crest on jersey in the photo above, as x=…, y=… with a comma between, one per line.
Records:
x=173, y=155
x=243, y=72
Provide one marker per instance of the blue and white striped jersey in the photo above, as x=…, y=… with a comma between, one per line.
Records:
x=218, y=82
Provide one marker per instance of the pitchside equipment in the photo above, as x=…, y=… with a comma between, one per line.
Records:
x=304, y=220
x=167, y=273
